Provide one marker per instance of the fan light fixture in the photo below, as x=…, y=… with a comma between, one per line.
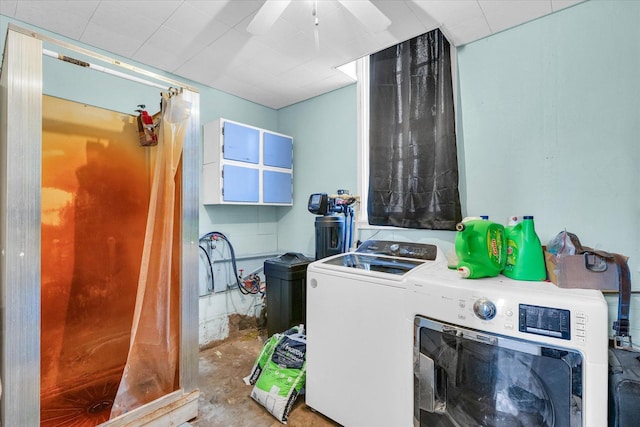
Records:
x=363, y=10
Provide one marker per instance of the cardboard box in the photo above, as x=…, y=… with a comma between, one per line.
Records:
x=571, y=271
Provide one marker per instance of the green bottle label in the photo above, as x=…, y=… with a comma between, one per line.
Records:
x=494, y=238
x=512, y=254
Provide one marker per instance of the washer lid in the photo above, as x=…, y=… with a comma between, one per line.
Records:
x=421, y=251
x=380, y=264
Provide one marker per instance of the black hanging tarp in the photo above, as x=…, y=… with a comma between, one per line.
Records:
x=413, y=178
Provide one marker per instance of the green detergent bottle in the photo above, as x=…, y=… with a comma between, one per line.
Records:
x=525, y=259
x=480, y=247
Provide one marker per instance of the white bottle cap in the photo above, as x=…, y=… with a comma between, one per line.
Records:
x=464, y=272
x=514, y=220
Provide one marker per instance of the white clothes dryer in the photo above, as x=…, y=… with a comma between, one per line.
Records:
x=498, y=352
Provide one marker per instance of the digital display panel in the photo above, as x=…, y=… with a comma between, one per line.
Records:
x=551, y=322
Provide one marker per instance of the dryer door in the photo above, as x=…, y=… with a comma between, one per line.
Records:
x=464, y=377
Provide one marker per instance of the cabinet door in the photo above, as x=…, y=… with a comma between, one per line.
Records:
x=241, y=143
x=277, y=187
x=240, y=184
x=278, y=150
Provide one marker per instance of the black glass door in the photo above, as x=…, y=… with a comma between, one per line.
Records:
x=465, y=378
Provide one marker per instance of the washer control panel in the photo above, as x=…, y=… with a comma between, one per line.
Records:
x=535, y=311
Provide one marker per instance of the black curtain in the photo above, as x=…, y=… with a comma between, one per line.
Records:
x=413, y=165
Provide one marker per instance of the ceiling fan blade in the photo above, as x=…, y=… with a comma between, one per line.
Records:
x=267, y=16
x=368, y=14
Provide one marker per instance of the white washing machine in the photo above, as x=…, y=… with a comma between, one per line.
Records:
x=359, y=358
x=498, y=352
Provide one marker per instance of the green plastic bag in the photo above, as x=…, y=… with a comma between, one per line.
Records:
x=282, y=373
x=263, y=358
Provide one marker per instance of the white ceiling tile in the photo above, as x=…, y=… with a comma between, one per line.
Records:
x=334, y=26
x=183, y=47
x=188, y=20
x=254, y=51
x=153, y=11
x=247, y=75
x=168, y=39
x=210, y=34
x=215, y=59
x=113, y=17
x=229, y=12
x=402, y=14
x=383, y=40
x=344, y=26
x=271, y=60
x=459, y=35
x=202, y=69
x=297, y=77
x=67, y=18
x=156, y=57
x=337, y=79
x=562, y=4
x=169, y=60
x=460, y=20
x=422, y=14
x=227, y=47
x=502, y=14
x=210, y=8
x=300, y=13
x=8, y=7
x=233, y=85
x=446, y=11
x=109, y=40
x=255, y=93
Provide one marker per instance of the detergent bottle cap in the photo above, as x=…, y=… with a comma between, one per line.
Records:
x=513, y=220
x=464, y=272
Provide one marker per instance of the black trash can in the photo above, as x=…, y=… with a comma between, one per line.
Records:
x=286, y=278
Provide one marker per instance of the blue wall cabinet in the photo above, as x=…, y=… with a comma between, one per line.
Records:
x=243, y=164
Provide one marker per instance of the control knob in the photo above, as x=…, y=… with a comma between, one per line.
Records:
x=484, y=309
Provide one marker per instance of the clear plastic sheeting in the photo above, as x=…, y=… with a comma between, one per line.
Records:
x=413, y=178
x=152, y=363
x=95, y=196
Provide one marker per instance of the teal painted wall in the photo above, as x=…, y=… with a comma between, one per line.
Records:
x=325, y=153
x=550, y=122
x=548, y=125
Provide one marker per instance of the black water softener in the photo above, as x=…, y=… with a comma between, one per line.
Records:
x=334, y=223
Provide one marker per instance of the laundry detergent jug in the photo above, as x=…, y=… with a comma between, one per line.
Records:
x=481, y=248
x=525, y=259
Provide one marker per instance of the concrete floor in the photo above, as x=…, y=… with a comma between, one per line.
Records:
x=224, y=397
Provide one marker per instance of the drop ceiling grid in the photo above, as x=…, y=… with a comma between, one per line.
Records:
x=156, y=57
x=229, y=12
x=122, y=33
x=206, y=41
x=66, y=18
